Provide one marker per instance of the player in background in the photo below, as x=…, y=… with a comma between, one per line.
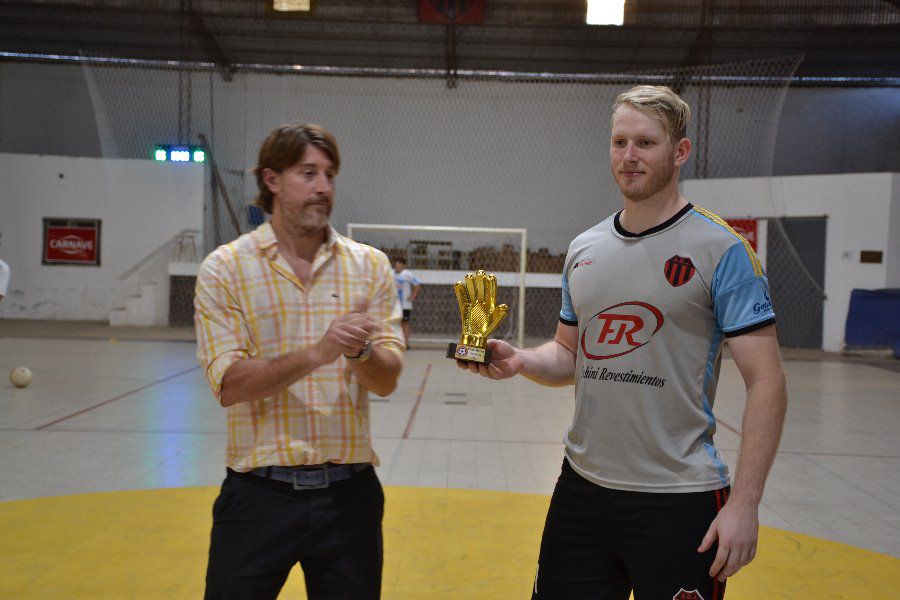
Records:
x=408, y=286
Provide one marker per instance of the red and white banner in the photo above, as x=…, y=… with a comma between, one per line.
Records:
x=71, y=244
x=451, y=12
x=749, y=230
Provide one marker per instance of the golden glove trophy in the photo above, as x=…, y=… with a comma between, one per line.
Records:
x=480, y=316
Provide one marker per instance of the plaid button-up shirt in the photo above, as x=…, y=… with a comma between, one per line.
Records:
x=249, y=303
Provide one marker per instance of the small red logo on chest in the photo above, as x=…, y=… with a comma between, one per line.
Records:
x=583, y=263
x=683, y=594
x=679, y=270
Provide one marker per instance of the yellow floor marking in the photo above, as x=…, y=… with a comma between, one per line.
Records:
x=440, y=544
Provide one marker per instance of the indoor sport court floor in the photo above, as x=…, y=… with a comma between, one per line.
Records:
x=109, y=464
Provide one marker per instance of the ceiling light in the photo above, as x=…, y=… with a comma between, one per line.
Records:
x=605, y=12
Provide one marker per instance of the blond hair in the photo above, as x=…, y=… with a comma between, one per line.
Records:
x=660, y=103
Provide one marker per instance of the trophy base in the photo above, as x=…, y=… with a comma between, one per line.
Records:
x=469, y=353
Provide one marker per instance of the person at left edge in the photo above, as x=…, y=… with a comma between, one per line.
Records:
x=4, y=279
x=295, y=325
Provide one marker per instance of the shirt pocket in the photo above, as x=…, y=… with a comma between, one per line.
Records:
x=277, y=317
x=354, y=295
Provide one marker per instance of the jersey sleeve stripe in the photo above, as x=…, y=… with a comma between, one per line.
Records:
x=757, y=267
x=749, y=328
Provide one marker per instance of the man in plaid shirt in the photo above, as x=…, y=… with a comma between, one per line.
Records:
x=295, y=324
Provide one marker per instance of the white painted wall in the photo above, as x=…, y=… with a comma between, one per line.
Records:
x=863, y=214
x=484, y=154
x=142, y=204
x=893, y=257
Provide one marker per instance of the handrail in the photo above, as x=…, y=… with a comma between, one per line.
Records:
x=155, y=252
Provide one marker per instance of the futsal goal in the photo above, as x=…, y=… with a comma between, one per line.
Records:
x=441, y=256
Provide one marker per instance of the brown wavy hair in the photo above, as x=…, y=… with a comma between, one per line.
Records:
x=284, y=147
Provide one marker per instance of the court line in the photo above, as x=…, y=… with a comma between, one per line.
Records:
x=426, y=439
x=560, y=443
x=415, y=408
x=128, y=431
x=728, y=427
x=838, y=454
x=105, y=402
x=99, y=338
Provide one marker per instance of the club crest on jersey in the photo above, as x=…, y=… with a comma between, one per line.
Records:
x=620, y=329
x=683, y=594
x=679, y=270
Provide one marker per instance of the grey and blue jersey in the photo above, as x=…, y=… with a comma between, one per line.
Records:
x=652, y=310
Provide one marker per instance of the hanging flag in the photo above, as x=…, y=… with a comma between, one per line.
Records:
x=747, y=228
x=451, y=12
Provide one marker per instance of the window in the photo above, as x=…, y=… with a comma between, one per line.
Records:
x=605, y=12
x=291, y=5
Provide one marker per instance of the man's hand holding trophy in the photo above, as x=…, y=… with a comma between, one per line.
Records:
x=480, y=314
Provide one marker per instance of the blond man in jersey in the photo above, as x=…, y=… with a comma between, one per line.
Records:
x=645, y=503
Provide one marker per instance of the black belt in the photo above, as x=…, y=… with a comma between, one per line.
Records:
x=311, y=477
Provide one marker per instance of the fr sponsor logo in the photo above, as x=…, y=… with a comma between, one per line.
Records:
x=684, y=594
x=620, y=329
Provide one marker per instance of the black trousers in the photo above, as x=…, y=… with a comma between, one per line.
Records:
x=600, y=544
x=262, y=528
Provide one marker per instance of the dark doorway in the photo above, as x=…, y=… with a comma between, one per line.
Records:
x=795, y=265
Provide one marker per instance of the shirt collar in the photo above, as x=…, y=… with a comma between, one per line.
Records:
x=268, y=243
x=622, y=232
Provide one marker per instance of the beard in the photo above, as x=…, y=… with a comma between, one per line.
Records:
x=307, y=218
x=652, y=185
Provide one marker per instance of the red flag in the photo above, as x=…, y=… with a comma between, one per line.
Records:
x=451, y=12
x=748, y=229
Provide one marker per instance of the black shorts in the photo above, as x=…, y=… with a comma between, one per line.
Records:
x=603, y=543
x=407, y=314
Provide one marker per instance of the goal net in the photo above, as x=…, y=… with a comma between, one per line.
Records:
x=440, y=256
x=531, y=146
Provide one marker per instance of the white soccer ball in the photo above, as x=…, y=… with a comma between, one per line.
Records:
x=20, y=376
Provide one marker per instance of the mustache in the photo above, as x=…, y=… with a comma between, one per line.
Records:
x=319, y=201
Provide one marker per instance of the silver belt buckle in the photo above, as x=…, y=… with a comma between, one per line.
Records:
x=321, y=486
